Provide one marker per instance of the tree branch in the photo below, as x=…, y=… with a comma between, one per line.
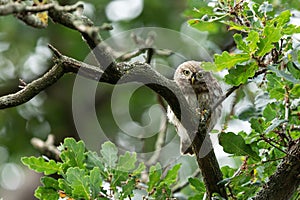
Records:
x=33, y=88
x=285, y=181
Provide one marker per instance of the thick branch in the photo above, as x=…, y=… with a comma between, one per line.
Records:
x=33, y=88
x=90, y=33
x=285, y=181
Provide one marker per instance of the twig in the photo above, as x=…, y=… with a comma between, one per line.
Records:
x=222, y=98
x=268, y=140
x=48, y=148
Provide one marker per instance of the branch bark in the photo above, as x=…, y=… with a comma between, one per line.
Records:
x=286, y=180
x=33, y=88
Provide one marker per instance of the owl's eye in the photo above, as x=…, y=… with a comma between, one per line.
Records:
x=199, y=76
x=186, y=72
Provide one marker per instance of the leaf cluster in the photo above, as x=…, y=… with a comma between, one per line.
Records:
x=266, y=55
x=86, y=175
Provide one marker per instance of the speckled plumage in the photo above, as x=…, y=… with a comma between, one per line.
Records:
x=201, y=91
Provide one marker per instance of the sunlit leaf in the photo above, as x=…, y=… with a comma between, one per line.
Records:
x=204, y=25
x=253, y=38
x=295, y=91
x=240, y=74
x=48, y=190
x=282, y=19
x=45, y=193
x=154, y=176
x=235, y=26
x=241, y=45
x=271, y=35
x=235, y=144
x=226, y=60
x=79, y=182
x=209, y=66
x=41, y=165
x=197, y=184
x=73, y=154
x=171, y=176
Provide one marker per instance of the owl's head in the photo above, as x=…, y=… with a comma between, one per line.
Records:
x=191, y=73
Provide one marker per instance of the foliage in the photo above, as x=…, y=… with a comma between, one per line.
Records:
x=86, y=175
x=265, y=54
x=262, y=62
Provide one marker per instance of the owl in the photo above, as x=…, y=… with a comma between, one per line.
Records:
x=201, y=91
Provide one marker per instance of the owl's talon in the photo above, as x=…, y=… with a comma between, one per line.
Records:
x=204, y=115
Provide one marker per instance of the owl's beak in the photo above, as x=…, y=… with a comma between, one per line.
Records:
x=193, y=79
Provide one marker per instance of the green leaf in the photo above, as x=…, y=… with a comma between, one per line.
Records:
x=95, y=182
x=275, y=87
x=139, y=169
x=257, y=124
x=79, y=182
x=235, y=144
x=49, y=189
x=271, y=35
x=282, y=19
x=73, y=153
x=171, y=176
x=154, y=176
x=235, y=26
x=240, y=74
x=45, y=193
x=50, y=182
x=270, y=112
x=126, y=162
x=208, y=66
x=291, y=29
x=226, y=60
x=204, y=25
x=109, y=154
x=241, y=45
x=295, y=91
x=293, y=69
x=128, y=188
x=284, y=75
x=40, y=165
x=93, y=160
x=65, y=186
x=197, y=184
x=252, y=39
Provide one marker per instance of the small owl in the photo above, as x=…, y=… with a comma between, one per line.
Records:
x=201, y=91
